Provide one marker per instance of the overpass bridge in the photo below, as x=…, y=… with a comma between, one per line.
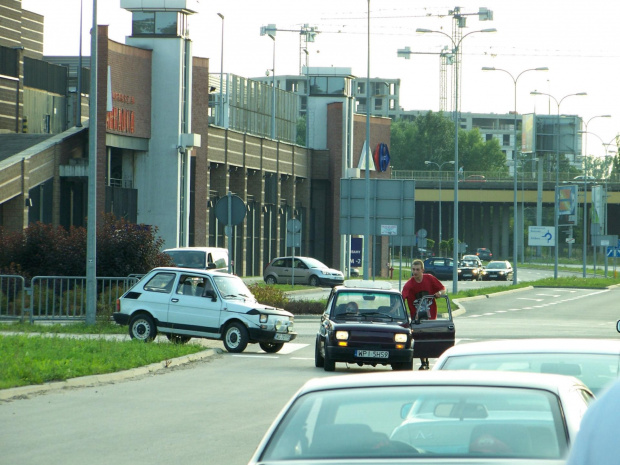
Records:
x=486, y=210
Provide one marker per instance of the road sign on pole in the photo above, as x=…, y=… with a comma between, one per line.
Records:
x=541, y=236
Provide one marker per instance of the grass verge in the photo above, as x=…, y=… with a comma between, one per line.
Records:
x=30, y=360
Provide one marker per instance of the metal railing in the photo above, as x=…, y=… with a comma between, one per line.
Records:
x=57, y=297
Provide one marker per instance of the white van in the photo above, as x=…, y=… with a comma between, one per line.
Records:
x=203, y=258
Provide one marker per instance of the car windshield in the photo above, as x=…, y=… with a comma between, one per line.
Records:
x=496, y=266
x=421, y=422
x=368, y=305
x=231, y=287
x=468, y=263
x=595, y=370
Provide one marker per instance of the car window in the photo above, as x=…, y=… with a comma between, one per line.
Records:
x=160, y=282
x=314, y=263
x=232, y=287
x=188, y=258
x=595, y=370
x=421, y=422
x=193, y=285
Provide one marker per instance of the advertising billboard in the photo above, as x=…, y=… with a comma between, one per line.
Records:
x=567, y=205
x=528, y=133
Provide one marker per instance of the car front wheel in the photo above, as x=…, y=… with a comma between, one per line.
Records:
x=236, y=337
x=328, y=363
x=314, y=281
x=271, y=280
x=319, y=362
x=142, y=327
x=271, y=347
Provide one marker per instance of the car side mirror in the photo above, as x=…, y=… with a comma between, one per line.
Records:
x=211, y=294
x=211, y=266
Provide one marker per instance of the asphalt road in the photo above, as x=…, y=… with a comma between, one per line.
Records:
x=214, y=411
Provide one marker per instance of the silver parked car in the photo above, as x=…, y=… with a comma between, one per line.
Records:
x=438, y=417
x=596, y=362
x=306, y=270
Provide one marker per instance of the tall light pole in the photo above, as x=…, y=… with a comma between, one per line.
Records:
x=367, y=153
x=221, y=107
x=273, y=84
x=584, y=252
x=557, y=176
x=439, y=167
x=455, y=51
x=514, y=160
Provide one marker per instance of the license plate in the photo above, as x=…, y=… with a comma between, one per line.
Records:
x=372, y=353
x=282, y=337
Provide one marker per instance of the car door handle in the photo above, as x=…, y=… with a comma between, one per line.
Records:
x=451, y=327
x=174, y=300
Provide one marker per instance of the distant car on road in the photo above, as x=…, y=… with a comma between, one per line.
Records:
x=306, y=270
x=440, y=417
x=584, y=178
x=596, y=362
x=475, y=178
x=499, y=270
x=475, y=258
x=484, y=254
x=440, y=267
x=470, y=269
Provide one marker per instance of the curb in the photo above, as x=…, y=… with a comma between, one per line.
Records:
x=23, y=392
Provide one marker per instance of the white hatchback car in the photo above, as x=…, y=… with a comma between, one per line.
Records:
x=186, y=303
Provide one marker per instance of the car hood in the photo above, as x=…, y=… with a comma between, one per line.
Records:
x=251, y=307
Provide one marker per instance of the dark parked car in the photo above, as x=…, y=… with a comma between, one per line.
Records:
x=365, y=326
x=499, y=269
x=367, y=323
x=484, y=254
x=440, y=267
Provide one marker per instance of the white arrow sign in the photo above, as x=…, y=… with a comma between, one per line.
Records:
x=541, y=236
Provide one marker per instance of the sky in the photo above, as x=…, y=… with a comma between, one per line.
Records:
x=577, y=40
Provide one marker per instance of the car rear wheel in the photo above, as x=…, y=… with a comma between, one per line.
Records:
x=178, y=339
x=271, y=347
x=314, y=281
x=236, y=337
x=319, y=362
x=142, y=327
x=271, y=280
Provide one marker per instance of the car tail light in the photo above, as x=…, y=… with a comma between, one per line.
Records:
x=118, y=305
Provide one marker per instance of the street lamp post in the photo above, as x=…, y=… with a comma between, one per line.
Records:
x=585, y=194
x=273, y=84
x=439, y=167
x=514, y=159
x=221, y=108
x=557, y=176
x=455, y=51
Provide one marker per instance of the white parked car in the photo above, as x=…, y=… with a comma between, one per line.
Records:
x=186, y=303
x=435, y=417
x=596, y=362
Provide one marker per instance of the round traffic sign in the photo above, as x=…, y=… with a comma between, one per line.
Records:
x=237, y=209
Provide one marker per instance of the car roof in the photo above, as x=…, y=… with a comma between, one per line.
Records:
x=531, y=346
x=367, y=286
x=550, y=382
x=176, y=269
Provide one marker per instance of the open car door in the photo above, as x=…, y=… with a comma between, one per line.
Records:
x=432, y=337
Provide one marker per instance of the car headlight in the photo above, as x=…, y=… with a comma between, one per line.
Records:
x=400, y=337
x=502, y=272
x=342, y=335
x=278, y=325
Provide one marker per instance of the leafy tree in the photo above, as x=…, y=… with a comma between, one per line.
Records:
x=430, y=137
x=42, y=250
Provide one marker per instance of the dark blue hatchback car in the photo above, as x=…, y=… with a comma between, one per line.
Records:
x=440, y=267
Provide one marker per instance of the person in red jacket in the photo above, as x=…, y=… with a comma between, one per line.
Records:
x=419, y=285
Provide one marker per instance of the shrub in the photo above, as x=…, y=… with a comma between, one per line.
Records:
x=269, y=295
x=305, y=307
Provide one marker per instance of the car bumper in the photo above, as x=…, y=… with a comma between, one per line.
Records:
x=331, y=281
x=348, y=355
x=262, y=335
x=121, y=318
